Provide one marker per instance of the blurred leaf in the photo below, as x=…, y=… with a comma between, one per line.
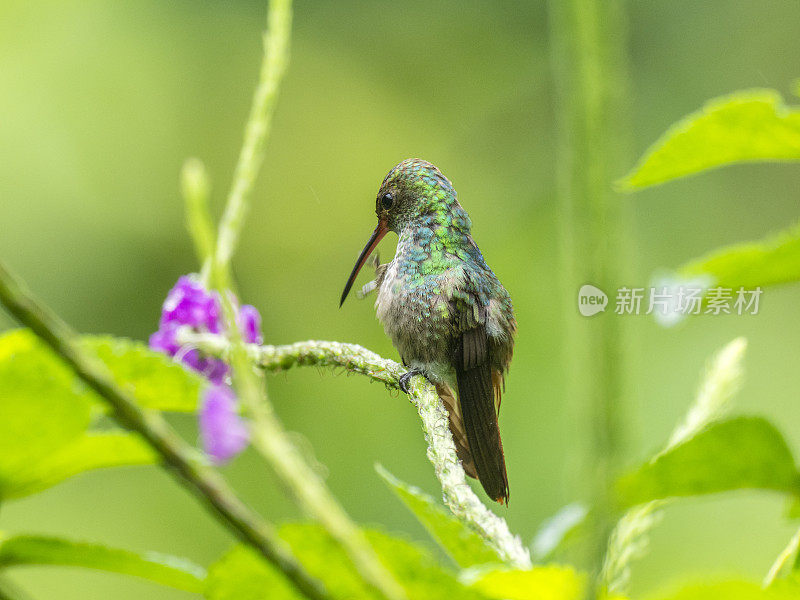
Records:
x=10, y=591
x=42, y=408
x=742, y=452
x=46, y=410
x=751, y=125
x=539, y=583
x=735, y=590
x=155, y=380
x=559, y=530
x=792, y=510
x=629, y=540
x=414, y=567
x=243, y=575
x=90, y=451
x=166, y=570
x=462, y=544
x=771, y=261
x=787, y=586
x=787, y=563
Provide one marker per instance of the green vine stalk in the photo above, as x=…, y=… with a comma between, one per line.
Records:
x=589, y=70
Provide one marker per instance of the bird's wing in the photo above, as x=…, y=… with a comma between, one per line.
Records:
x=478, y=392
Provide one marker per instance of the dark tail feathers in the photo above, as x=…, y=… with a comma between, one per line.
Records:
x=477, y=399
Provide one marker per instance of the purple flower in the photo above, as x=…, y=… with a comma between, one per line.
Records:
x=250, y=323
x=223, y=432
x=189, y=304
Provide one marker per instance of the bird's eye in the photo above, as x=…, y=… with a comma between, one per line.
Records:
x=386, y=201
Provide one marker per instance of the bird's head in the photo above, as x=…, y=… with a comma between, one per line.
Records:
x=411, y=191
x=414, y=193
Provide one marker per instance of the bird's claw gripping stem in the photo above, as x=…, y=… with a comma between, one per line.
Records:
x=405, y=379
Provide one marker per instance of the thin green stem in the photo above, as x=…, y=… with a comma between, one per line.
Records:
x=273, y=66
x=458, y=495
x=588, y=63
x=195, y=188
x=179, y=458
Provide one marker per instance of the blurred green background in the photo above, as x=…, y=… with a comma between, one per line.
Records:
x=100, y=103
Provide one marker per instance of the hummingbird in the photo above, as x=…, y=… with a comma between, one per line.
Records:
x=445, y=311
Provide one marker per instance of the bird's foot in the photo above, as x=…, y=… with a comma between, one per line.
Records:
x=405, y=379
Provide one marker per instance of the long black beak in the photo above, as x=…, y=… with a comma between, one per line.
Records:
x=376, y=237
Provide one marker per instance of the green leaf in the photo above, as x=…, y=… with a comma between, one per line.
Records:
x=568, y=526
x=154, y=379
x=42, y=408
x=157, y=381
x=788, y=586
x=88, y=452
x=166, y=570
x=540, y=583
x=735, y=590
x=738, y=453
x=462, y=544
x=771, y=261
x=750, y=125
x=46, y=410
x=414, y=568
x=786, y=565
x=243, y=575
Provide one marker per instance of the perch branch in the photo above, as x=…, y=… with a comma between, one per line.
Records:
x=180, y=458
x=458, y=496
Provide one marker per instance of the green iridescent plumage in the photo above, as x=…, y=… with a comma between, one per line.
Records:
x=445, y=310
